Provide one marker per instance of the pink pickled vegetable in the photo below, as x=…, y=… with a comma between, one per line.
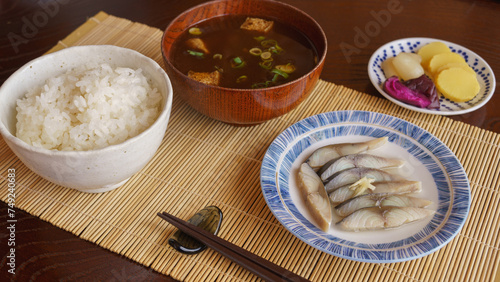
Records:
x=404, y=94
x=424, y=85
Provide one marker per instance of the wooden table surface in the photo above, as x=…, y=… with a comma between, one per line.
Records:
x=355, y=29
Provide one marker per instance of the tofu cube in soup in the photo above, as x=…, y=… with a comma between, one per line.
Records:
x=209, y=78
x=248, y=53
x=257, y=24
x=197, y=44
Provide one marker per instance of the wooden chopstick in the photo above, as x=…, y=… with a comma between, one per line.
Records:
x=257, y=265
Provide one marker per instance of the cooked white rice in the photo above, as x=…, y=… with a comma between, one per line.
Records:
x=88, y=108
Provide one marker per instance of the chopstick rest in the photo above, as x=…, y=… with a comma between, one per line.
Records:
x=252, y=262
x=209, y=219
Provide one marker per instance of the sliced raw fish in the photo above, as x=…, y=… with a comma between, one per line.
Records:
x=357, y=160
x=315, y=196
x=352, y=175
x=324, y=154
x=400, y=215
x=357, y=203
x=404, y=201
x=345, y=193
x=374, y=218
x=364, y=219
x=379, y=200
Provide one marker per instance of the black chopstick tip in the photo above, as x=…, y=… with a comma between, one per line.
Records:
x=209, y=219
x=257, y=265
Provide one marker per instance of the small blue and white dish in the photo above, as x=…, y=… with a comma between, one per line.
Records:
x=428, y=160
x=485, y=75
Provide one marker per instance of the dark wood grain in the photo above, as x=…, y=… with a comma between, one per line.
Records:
x=48, y=253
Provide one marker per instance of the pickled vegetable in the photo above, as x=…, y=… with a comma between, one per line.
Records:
x=407, y=66
x=399, y=91
x=440, y=60
x=462, y=65
x=388, y=68
x=439, y=70
x=431, y=49
x=415, y=57
x=424, y=85
x=457, y=84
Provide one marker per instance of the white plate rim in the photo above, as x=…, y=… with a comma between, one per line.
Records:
x=455, y=215
x=425, y=40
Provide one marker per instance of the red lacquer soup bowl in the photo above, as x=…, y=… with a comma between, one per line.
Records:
x=244, y=106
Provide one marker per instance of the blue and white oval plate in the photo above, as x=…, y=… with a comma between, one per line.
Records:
x=484, y=74
x=428, y=160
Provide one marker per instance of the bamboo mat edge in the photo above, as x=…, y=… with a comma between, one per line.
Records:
x=101, y=16
x=79, y=32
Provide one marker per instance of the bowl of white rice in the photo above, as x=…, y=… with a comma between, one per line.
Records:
x=86, y=117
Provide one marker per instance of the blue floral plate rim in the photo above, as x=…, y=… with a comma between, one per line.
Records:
x=452, y=185
x=486, y=77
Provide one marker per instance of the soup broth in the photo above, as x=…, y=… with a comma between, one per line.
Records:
x=244, y=59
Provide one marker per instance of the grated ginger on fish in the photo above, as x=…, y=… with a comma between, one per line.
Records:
x=359, y=187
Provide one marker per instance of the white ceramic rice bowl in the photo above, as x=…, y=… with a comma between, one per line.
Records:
x=87, y=171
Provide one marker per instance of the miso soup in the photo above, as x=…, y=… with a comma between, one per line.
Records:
x=222, y=53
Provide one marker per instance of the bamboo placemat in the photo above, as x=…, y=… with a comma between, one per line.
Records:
x=204, y=162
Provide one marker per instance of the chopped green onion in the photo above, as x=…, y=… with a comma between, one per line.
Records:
x=279, y=72
x=275, y=77
x=241, y=79
x=271, y=45
x=259, y=38
x=268, y=43
x=195, y=31
x=266, y=55
x=221, y=70
x=288, y=68
x=276, y=49
x=255, y=51
x=194, y=53
x=237, y=63
x=266, y=64
x=217, y=56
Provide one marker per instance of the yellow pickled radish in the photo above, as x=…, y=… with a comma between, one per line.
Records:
x=457, y=84
x=463, y=65
x=442, y=59
x=430, y=50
